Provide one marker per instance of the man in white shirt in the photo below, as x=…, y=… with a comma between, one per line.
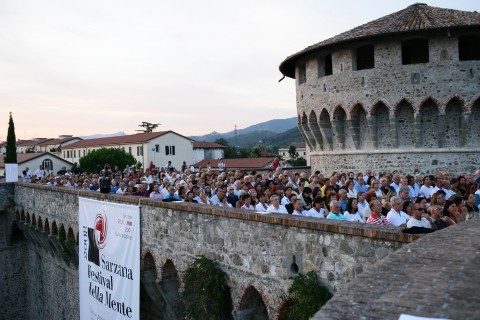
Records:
x=362, y=203
x=122, y=188
x=318, y=208
x=396, y=216
x=396, y=182
x=419, y=217
x=275, y=206
x=298, y=208
x=39, y=173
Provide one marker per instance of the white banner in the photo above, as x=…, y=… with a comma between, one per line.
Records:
x=109, y=260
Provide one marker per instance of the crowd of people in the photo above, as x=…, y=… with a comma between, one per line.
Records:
x=418, y=202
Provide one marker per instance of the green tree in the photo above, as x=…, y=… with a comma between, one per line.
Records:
x=95, y=160
x=11, y=152
x=229, y=152
x=306, y=296
x=148, y=127
x=206, y=295
x=292, y=152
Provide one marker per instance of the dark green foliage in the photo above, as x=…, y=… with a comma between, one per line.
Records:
x=95, y=160
x=251, y=144
x=206, y=295
x=292, y=152
x=306, y=296
x=11, y=154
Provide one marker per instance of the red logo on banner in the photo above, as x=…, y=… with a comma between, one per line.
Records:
x=101, y=226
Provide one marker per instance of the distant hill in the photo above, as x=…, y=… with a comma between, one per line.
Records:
x=273, y=126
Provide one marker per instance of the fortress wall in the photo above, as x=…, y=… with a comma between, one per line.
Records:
x=255, y=250
x=405, y=161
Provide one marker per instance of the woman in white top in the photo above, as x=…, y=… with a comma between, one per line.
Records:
x=351, y=192
x=247, y=202
x=351, y=214
x=427, y=188
x=378, y=191
x=262, y=204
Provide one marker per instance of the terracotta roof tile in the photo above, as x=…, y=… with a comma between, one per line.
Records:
x=246, y=163
x=207, y=145
x=24, y=157
x=57, y=141
x=127, y=139
x=416, y=17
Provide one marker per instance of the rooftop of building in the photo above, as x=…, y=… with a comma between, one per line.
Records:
x=127, y=139
x=414, y=18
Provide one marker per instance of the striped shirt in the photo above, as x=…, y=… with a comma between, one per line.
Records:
x=374, y=220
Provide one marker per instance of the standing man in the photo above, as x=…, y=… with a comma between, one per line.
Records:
x=39, y=173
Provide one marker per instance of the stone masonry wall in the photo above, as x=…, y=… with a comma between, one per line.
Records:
x=406, y=162
x=423, y=107
x=255, y=250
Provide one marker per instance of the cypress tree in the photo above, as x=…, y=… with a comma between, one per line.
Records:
x=11, y=154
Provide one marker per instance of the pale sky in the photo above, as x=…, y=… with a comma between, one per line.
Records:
x=90, y=67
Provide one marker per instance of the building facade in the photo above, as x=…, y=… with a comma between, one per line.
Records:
x=207, y=150
x=398, y=93
x=300, y=147
x=159, y=147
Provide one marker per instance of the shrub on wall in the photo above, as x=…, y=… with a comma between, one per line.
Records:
x=206, y=294
x=306, y=296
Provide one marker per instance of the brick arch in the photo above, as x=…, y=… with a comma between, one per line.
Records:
x=460, y=101
x=28, y=219
x=39, y=223
x=355, y=106
x=472, y=103
x=22, y=215
x=71, y=236
x=169, y=272
x=46, y=226
x=54, y=228
x=405, y=121
x=253, y=302
x=299, y=119
x=339, y=113
x=149, y=263
x=359, y=126
x=429, y=101
x=284, y=310
x=34, y=220
x=62, y=233
x=17, y=215
x=428, y=112
x=312, y=118
x=379, y=101
x=403, y=101
x=304, y=118
x=324, y=115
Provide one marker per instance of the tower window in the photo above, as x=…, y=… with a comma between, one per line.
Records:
x=469, y=48
x=415, y=51
x=325, y=66
x=302, y=74
x=364, y=58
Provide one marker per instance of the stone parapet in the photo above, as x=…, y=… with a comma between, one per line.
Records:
x=256, y=250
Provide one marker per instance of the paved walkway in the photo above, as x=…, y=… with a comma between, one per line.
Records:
x=436, y=276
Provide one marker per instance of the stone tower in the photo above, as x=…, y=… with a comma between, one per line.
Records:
x=398, y=93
